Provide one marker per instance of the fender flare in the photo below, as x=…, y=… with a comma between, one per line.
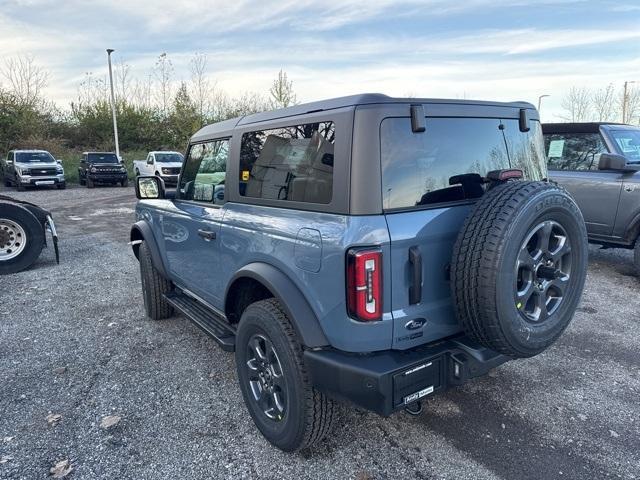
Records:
x=633, y=230
x=142, y=231
x=295, y=305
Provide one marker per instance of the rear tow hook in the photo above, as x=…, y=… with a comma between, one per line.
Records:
x=414, y=409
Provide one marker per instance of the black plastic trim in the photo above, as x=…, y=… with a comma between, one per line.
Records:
x=371, y=380
x=142, y=229
x=290, y=297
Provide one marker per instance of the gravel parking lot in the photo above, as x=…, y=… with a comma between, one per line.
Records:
x=74, y=342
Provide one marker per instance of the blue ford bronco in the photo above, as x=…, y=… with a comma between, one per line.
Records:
x=366, y=249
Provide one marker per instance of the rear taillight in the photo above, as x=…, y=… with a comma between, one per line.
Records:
x=364, y=284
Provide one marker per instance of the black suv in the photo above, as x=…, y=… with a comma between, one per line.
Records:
x=103, y=168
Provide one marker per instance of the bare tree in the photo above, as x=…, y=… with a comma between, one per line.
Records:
x=202, y=92
x=603, y=103
x=577, y=104
x=26, y=79
x=281, y=92
x=92, y=90
x=163, y=72
x=629, y=106
x=123, y=81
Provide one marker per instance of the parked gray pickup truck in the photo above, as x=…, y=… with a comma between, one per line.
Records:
x=599, y=164
x=370, y=249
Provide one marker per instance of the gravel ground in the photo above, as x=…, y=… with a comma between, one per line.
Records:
x=74, y=341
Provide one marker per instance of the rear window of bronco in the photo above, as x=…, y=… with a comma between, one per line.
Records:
x=437, y=166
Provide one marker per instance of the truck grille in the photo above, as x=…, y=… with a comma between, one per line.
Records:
x=171, y=170
x=108, y=170
x=43, y=172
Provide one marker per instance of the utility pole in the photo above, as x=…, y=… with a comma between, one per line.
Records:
x=540, y=101
x=113, y=104
x=624, y=101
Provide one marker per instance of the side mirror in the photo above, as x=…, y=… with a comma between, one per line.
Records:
x=149, y=188
x=59, y=162
x=613, y=161
x=9, y=162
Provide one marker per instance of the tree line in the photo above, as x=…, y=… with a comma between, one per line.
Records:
x=608, y=104
x=154, y=112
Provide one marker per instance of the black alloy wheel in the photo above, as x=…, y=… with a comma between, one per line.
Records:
x=543, y=271
x=266, y=379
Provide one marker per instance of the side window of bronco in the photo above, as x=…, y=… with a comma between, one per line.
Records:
x=203, y=176
x=574, y=151
x=292, y=163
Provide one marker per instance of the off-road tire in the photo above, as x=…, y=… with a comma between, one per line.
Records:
x=89, y=183
x=33, y=242
x=61, y=186
x=19, y=186
x=7, y=182
x=309, y=414
x=154, y=286
x=124, y=183
x=82, y=181
x=485, y=268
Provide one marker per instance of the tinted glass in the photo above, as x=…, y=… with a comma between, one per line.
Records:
x=34, y=157
x=168, y=157
x=204, y=172
x=293, y=163
x=103, y=158
x=628, y=142
x=446, y=162
x=574, y=151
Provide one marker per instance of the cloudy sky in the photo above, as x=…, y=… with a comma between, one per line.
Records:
x=481, y=49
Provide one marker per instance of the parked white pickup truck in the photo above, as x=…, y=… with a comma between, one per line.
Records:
x=165, y=165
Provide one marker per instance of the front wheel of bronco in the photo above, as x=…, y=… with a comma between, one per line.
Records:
x=274, y=382
x=154, y=286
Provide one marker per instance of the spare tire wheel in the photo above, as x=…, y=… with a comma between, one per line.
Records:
x=519, y=266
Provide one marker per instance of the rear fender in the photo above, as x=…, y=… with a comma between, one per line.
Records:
x=291, y=299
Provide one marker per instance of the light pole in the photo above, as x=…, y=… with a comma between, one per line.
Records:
x=113, y=104
x=624, y=101
x=540, y=101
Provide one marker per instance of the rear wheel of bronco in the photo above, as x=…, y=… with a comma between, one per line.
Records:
x=287, y=410
x=21, y=238
x=519, y=266
x=154, y=286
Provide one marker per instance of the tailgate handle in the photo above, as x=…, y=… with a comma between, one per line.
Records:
x=415, y=289
x=207, y=234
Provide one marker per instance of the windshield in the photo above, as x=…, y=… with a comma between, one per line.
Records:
x=34, y=157
x=169, y=157
x=103, y=158
x=628, y=141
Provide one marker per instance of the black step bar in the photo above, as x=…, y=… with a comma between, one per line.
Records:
x=212, y=323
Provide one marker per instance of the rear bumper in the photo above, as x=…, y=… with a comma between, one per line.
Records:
x=384, y=382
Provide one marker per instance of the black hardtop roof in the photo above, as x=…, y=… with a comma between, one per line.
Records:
x=339, y=102
x=581, y=127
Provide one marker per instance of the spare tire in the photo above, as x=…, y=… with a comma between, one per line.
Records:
x=519, y=266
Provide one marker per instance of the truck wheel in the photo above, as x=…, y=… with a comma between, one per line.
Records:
x=21, y=238
x=61, y=186
x=81, y=181
x=154, y=286
x=7, y=182
x=90, y=183
x=274, y=382
x=519, y=266
x=125, y=182
x=137, y=172
x=19, y=186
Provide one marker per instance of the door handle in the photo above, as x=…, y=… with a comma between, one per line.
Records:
x=208, y=235
x=415, y=289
